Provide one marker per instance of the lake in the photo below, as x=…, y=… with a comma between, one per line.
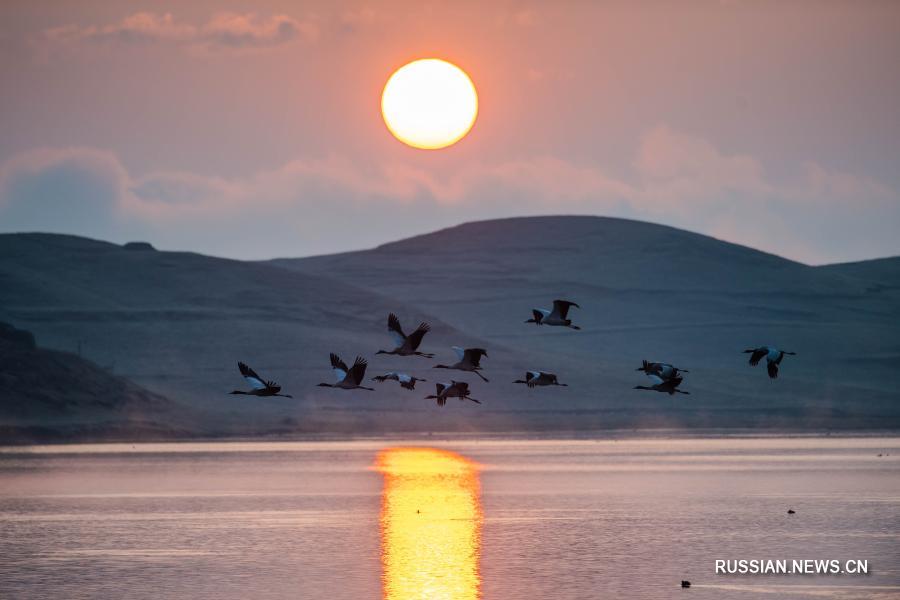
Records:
x=448, y=518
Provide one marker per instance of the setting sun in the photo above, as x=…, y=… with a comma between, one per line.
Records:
x=429, y=104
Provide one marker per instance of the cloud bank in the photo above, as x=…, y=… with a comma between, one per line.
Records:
x=227, y=30
x=310, y=206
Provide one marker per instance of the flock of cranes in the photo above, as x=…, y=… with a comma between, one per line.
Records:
x=662, y=377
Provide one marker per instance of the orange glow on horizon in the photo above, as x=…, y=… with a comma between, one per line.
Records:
x=430, y=525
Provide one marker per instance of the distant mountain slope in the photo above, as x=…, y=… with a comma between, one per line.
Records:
x=46, y=394
x=614, y=253
x=884, y=271
x=178, y=323
x=650, y=291
x=674, y=273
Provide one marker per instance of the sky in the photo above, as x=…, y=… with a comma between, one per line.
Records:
x=253, y=129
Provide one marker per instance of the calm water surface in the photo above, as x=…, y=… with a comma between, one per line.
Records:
x=497, y=519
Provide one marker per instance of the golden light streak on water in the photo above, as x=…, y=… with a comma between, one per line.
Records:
x=430, y=525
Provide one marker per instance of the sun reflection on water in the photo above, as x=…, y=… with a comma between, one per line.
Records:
x=430, y=525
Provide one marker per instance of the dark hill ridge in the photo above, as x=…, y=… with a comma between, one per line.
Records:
x=674, y=274
x=48, y=394
x=557, y=232
x=631, y=254
x=651, y=291
x=884, y=271
x=177, y=323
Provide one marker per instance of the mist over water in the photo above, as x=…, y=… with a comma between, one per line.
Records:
x=504, y=519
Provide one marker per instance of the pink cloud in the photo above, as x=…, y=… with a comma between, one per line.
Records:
x=677, y=179
x=105, y=165
x=359, y=17
x=820, y=183
x=226, y=30
x=250, y=30
x=667, y=155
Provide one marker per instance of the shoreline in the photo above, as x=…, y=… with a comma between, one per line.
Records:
x=442, y=437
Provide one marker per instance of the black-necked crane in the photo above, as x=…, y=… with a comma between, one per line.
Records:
x=558, y=317
x=540, y=378
x=454, y=389
x=406, y=381
x=469, y=360
x=772, y=355
x=658, y=384
x=406, y=345
x=664, y=370
x=260, y=386
x=348, y=379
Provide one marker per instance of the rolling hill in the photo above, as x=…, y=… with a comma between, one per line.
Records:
x=177, y=323
x=880, y=271
x=651, y=291
x=49, y=395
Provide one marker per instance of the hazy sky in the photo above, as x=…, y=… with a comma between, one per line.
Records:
x=253, y=129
